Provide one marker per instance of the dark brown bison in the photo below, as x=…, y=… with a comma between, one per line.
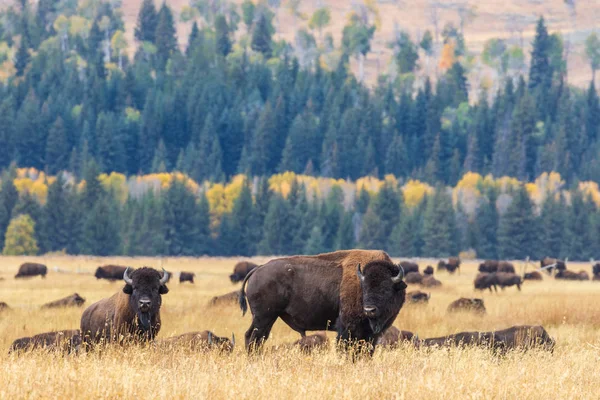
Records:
x=358, y=293
x=470, y=305
x=199, y=341
x=488, y=266
x=74, y=300
x=505, y=266
x=506, y=279
x=552, y=264
x=393, y=336
x=4, y=306
x=517, y=337
x=310, y=343
x=428, y=270
x=186, y=277
x=569, y=275
x=596, y=272
x=28, y=269
x=110, y=272
x=65, y=341
x=229, y=298
x=485, y=280
x=413, y=278
x=430, y=281
x=532, y=276
x=135, y=310
x=451, y=266
x=417, y=297
x=241, y=270
x=409, y=266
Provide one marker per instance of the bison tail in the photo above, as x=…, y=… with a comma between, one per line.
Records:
x=242, y=299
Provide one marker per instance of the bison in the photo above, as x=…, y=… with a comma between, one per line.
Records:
x=409, y=266
x=29, y=269
x=195, y=341
x=74, y=300
x=428, y=270
x=66, y=341
x=470, y=305
x=186, y=277
x=532, y=276
x=418, y=297
x=569, y=275
x=596, y=271
x=552, y=264
x=135, y=310
x=310, y=343
x=229, y=298
x=451, y=266
x=506, y=279
x=485, y=280
x=331, y=291
x=488, y=266
x=413, y=278
x=430, y=281
x=505, y=266
x=393, y=336
x=4, y=306
x=110, y=272
x=241, y=270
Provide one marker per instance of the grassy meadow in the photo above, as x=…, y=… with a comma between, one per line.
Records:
x=568, y=310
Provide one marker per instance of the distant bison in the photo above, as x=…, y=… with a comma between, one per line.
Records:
x=134, y=310
x=596, y=272
x=356, y=292
x=505, y=279
x=66, y=341
x=417, y=297
x=186, y=277
x=393, y=336
x=31, y=269
x=451, y=266
x=240, y=271
x=430, y=281
x=110, y=272
x=505, y=266
x=409, y=266
x=552, y=264
x=74, y=300
x=413, y=278
x=200, y=341
x=488, y=266
x=4, y=306
x=532, y=276
x=465, y=304
x=569, y=275
x=485, y=280
x=310, y=343
x=229, y=298
x=428, y=270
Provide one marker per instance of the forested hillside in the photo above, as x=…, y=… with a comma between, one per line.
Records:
x=72, y=99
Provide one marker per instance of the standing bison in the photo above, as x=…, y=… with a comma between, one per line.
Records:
x=133, y=311
x=596, y=272
x=358, y=293
x=27, y=270
x=186, y=277
x=506, y=279
x=451, y=266
x=485, y=280
x=74, y=300
x=552, y=264
x=488, y=266
x=241, y=270
x=110, y=272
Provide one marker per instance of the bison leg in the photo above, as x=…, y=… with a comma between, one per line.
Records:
x=519, y=286
x=258, y=333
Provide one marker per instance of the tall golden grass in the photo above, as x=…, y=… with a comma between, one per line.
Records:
x=568, y=310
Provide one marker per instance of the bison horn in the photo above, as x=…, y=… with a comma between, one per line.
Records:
x=232, y=340
x=361, y=277
x=400, y=276
x=165, y=277
x=126, y=277
x=209, y=338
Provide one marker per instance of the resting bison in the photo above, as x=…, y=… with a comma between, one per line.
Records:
x=393, y=336
x=186, y=277
x=413, y=278
x=328, y=291
x=517, y=337
x=505, y=279
x=229, y=298
x=66, y=341
x=31, y=269
x=241, y=270
x=451, y=266
x=199, y=341
x=464, y=304
x=409, y=266
x=428, y=270
x=110, y=272
x=310, y=343
x=417, y=297
x=532, y=276
x=484, y=281
x=568, y=275
x=135, y=310
x=4, y=306
x=74, y=300
x=553, y=264
x=430, y=281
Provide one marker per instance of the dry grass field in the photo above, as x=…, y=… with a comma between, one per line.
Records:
x=568, y=310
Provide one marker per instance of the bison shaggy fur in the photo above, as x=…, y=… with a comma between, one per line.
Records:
x=29, y=269
x=226, y=299
x=506, y=279
x=532, y=276
x=186, y=277
x=392, y=337
x=110, y=272
x=428, y=270
x=199, y=341
x=469, y=305
x=430, y=281
x=74, y=300
x=409, y=266
x=417, y=297
x=240, y=270
x=413, y=278
x=65, y=341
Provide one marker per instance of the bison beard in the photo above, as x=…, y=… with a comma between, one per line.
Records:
x=328, y=291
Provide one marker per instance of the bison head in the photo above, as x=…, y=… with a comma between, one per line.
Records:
x=99, y=273
x=78, y=299
x=145, y=287
x=383, y=293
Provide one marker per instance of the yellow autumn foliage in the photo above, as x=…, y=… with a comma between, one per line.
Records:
x=447, y=58
x=115, y=183
x=34, y=182
x=414, y=191
x=221, y=198
x=590, y=189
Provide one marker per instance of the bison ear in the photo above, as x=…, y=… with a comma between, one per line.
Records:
x=163, y=289
x=128, y=289
x=400, y=285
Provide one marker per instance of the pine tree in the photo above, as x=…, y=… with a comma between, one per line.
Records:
x=101, y=229
x=402, y=242
x=57, y=147
x=345, y=239
x=241, y=222
x=330, y=216
x=7, y=132
x=261, y=36
x=314, y=244
x=486, y=228
x=55, y=227
x=145, y=30
x=517, y=228
x=439, y=226
x=540, y=72
x=165, y=37
x=372, y=235
x=387, y=207
x=222, y=35
x=22, y=57
x=93, y=190
x=8, y=199
x=276, y=238
x=552, y=226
